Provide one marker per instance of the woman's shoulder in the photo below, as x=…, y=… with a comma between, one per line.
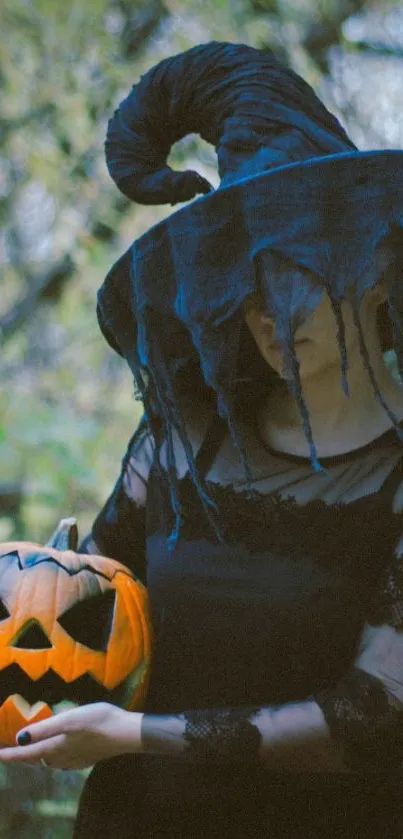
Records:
x=196, y=414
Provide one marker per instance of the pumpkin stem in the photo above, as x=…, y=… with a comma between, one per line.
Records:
x=65, y=537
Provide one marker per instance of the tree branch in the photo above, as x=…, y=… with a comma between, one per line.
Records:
x=48, y=285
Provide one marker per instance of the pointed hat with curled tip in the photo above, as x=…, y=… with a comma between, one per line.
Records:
x=299, y=211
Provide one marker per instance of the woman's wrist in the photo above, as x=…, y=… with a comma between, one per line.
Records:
x=163, y=734
x=129, y=734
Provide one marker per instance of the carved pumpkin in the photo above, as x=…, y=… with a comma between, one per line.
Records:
x=73, y=628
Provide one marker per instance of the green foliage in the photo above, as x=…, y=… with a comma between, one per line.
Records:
x=66, y=402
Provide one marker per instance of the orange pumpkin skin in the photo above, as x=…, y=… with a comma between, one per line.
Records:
x=73, y=627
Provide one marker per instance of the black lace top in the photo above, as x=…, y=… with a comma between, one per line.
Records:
x=296, y=603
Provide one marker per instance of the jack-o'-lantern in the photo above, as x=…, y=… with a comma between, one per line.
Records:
x=73, y=628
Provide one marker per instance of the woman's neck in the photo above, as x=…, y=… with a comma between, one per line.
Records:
x=339, y=423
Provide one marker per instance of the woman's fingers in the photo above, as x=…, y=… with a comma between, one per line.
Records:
x=77, y=738
x=51, y=747
x=44, y=729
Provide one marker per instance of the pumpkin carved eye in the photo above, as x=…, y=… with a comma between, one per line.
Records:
x=4, y=613
x=32, y=637
x=90, y=621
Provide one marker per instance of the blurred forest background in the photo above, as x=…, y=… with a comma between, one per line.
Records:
x=67, y=407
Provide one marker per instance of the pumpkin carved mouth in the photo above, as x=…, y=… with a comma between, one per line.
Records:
x=52, y=688
x=22, y=700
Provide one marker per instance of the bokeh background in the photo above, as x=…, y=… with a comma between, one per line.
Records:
x=67, y=407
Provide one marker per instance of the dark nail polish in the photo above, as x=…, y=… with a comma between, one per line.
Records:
x=23, y=738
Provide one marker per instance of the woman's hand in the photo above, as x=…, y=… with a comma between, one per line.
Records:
x=78, y=738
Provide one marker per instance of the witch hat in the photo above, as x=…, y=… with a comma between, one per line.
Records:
x=299, y=211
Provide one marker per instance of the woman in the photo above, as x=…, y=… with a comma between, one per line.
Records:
x=260, y=499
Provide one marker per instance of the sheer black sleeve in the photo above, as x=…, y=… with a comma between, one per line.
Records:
x=365, y=709
x=119, y=530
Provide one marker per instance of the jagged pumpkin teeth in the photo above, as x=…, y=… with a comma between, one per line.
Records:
x=16, y=713
x=73, y=629
x=25, y=708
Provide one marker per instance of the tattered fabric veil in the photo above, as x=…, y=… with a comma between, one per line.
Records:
x=299, y=212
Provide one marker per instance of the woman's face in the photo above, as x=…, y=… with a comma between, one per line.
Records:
x=316, y=342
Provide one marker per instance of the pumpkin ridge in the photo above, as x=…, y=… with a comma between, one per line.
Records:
x=125, y=571
x=135, y=594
